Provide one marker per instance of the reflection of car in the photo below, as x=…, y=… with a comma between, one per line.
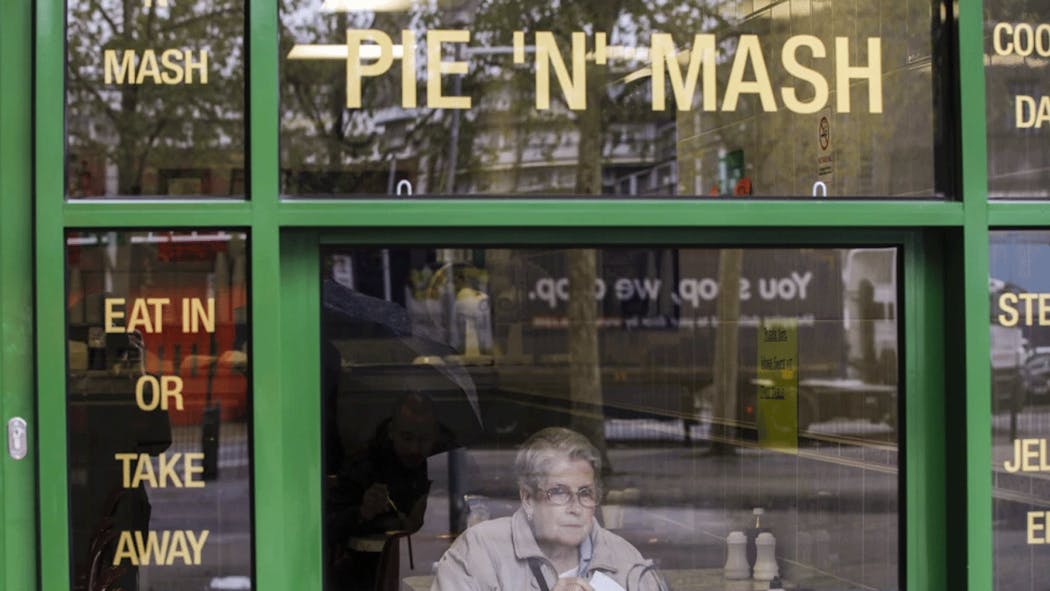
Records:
x=825, y=399
x=1037, y=375
x=1008, y=353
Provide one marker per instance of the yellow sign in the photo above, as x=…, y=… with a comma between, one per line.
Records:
x=371, y=53
x=777, y=413
x=1029, y=456
x=1029, y=309
x=161, y=548
x=156, y=66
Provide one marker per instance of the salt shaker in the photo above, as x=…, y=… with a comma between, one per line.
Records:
x=736, y=567
x=766, y=562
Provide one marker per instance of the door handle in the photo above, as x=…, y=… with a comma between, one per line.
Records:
x=17, y=439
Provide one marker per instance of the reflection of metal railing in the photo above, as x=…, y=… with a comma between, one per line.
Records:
x=1024, y=498
x=234, y=448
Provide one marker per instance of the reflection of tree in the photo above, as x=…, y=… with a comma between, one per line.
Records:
x=612, y=105
x=608, y=106
x=585, y=378
x=726, y=367
x=328, y=147
x=891, y=153
x=139, y=127
x=503, y=143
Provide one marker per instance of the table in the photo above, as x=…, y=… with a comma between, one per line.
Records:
x=689, y=579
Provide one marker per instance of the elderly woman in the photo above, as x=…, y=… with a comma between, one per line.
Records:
x=553, y=542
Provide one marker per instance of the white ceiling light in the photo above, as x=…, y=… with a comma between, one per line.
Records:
x=365, y=5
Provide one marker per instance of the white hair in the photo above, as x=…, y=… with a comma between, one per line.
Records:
x=547, y=445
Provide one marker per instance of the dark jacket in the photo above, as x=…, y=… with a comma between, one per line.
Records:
x=376, y=464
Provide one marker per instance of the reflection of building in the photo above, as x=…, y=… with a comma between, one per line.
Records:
x=781, y=151
x=656, y=173
x=502, y=145
x=511, y=150
x=93, y=170
x=543, y=157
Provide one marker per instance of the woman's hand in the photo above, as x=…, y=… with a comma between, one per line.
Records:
x=572, y=584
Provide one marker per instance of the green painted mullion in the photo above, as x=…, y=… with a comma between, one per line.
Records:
x=166, y=214
x=978, y=426
x=611, y=236
x=285, y=357
x=924, y=470
x=50, y=295
x=532, y=212
x=18, y=540
x=276, y=482
x=1017, y=215
x=300, y=409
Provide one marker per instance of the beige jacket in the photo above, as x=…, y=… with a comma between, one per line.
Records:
x=494, y=556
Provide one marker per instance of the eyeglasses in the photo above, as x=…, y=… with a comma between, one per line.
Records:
x=561, y=495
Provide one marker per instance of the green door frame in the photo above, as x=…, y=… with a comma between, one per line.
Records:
x=17, y=477
x=285, y=239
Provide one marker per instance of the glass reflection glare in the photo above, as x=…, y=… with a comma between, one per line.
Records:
x=1020, y=366
x=677, y=364
x=159, y=410
x=493, y=97
x=155, y=99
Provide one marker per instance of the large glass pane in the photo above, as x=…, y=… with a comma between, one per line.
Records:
x=1020, y=292
x=155, y=98
x=655, y=99
x=696, y=386
x=159, y=410
x=1017, y=45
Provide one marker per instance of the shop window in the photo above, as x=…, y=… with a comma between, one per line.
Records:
x=1017, y=70
x=155, y=99
x=792, y=98
x=159, y=410
x=710, y=391
x=1020, y=360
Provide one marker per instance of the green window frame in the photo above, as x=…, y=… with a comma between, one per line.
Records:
x=947, y=535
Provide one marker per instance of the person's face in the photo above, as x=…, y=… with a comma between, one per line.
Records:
x=561, y=525
x=413, y=439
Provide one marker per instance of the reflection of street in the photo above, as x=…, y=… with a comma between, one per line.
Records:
x=1014, y=496
x=1032, y=421
x=221, y=507
x=1028, y=488
x=679, y=503
x=675, y=430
